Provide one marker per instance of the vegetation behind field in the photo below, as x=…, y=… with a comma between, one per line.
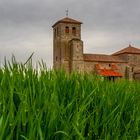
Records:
x=52, y=105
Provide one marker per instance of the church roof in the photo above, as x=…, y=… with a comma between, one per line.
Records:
x=129, y=50
x=102, y=58
x=68, y=20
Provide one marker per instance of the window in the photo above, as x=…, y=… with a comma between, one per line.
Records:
x=73, y=30
x=57, y=31
x=67, y=30
x=56, y=58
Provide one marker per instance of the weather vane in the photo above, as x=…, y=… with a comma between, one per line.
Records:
x=67, y=12
x=130, y=43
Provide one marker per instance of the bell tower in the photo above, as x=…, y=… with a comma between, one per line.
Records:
x=64, y=31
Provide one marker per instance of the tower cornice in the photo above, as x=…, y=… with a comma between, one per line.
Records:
x=67, y=20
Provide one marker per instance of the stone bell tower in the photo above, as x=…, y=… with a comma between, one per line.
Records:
x=66, y=43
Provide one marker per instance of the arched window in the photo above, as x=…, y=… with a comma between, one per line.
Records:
x=57, y=31
x=54, y=32
x=56, y=58
x=67, y=30
x=73, y=30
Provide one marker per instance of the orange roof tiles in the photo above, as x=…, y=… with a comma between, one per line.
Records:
x=108, y=72
x=102, y=58
x=67, y=20
x=128, y=50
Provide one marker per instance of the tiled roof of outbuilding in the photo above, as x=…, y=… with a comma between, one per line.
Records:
x=67, y=20
x=102, y=58
x=108, y=72
x=129, y=50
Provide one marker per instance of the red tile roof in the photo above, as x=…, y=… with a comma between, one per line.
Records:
x=67, y=20
x=108, y=72
x=102, y=58
x=129, y=50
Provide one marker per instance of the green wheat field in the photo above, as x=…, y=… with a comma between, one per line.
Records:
x=53, y=105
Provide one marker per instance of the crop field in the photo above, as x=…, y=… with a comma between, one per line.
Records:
x=52, y=105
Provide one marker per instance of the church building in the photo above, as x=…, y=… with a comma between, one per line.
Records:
x=68, y=54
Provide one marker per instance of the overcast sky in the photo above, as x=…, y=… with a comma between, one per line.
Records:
x=26, y=26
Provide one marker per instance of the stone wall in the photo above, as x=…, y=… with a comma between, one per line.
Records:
x=76, y=55
x=61, y=39
x=134, y=59
x=123, y=57
x=136, y=76
x=89, y=66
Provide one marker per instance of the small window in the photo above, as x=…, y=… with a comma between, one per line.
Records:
x=132, y=69
x=73, y=30
x=67, y=30
x=57, y=31
x=56, y=58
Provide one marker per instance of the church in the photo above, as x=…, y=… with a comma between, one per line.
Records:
x=68, y=54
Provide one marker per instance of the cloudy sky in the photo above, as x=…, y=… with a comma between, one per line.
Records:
x=26, y=26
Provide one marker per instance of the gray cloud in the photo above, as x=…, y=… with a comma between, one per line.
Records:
x=25, y=25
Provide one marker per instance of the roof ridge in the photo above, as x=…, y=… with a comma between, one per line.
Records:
x=96, y=54
x=102, y=57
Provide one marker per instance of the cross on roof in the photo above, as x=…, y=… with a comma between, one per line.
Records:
x=67, y=12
